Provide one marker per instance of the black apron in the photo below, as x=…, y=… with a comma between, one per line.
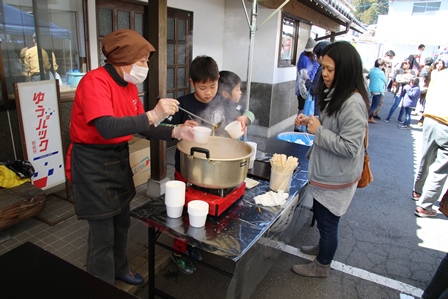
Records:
x=102, y=179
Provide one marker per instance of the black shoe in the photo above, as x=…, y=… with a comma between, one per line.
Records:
x=376, y=117
x=131, y=278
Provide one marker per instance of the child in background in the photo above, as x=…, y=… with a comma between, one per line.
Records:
x=410, y=101
x=227, y=99
x=204, y=75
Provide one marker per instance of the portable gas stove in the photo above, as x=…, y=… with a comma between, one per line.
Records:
x=218, y=199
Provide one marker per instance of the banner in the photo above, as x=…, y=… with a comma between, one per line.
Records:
x=38, y=110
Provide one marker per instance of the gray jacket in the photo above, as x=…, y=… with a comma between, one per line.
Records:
x=337, y=155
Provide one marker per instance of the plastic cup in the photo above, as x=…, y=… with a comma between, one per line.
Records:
x=174, y=212
x=252, y=158
x=197, y=213
x=201, y=134
x=234, y=129
x=280, y=181
x=175, y=193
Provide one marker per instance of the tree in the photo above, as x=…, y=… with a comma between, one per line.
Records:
x=367, y=11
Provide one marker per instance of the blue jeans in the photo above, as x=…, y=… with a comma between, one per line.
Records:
x=107, y=242
x=394, y=106
x=375, y=102
x=408, y=111
x=328, y=224
x=433, y=168
x=438, y=287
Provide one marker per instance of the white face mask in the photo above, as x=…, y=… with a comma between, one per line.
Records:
x=137, y=75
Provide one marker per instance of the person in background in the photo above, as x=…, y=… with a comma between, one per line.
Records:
x=387, y=68
x=318, y=50
x=106, y=112
x=411, y=95
x=377, y=86
x=414, y=59
x=389, y=59
x=31, y=61
x=204, y=75
x=306, y=70
x=402, y=76
x=337, y=156
x=438, y=66
x=433, y=169
x=228, y=96
x=425, y=79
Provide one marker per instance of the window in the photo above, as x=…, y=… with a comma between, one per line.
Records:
x=40, y=43
x=288, y=43
x=425, y=8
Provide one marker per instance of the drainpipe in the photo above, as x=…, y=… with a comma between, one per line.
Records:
x=332, y=35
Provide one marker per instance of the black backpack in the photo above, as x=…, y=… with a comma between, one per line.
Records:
x=23, y=168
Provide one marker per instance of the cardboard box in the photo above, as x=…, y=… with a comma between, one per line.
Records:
x=139, y=160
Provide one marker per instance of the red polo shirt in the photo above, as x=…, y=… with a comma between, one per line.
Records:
x=99, y=95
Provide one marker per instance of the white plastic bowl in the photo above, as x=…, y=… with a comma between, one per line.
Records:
x=201, y=134
x=234, y=129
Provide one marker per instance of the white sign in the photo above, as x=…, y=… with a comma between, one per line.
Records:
x=38, y=108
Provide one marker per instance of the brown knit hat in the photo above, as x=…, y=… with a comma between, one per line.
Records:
x=125, y=47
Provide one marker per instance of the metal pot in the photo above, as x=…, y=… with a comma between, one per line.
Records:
x=220, y=163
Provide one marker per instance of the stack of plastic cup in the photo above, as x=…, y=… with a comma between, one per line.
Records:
x=252, y=158
x=174, y=198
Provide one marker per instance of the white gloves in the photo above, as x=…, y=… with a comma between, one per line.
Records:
x=183, y=132
x=163, y=109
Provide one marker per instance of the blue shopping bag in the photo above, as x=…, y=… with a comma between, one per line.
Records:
x=308, y=109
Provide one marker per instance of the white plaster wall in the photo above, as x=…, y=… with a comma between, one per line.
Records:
x=266, y=44
x=208, y=26
x=221, y=30
x=237, y=42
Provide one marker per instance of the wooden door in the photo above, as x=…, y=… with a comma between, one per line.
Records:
x=179, y=44
x=114, y=15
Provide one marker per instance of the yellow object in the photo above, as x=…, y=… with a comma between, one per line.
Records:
x=9, y=179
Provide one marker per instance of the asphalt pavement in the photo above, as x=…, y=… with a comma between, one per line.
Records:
x=384, y=251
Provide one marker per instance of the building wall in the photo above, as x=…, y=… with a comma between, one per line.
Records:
x=208, y=26
x=225, y=38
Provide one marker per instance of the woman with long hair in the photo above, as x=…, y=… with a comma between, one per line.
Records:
x=337, y=155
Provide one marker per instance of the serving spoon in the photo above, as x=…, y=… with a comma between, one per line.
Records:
x=214, y=126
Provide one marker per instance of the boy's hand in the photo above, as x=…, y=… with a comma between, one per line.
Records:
x=190, y=123
x=242, y=120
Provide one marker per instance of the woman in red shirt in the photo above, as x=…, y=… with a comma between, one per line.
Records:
x=106, y=112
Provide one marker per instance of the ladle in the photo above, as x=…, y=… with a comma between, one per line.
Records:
x=214, y=126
